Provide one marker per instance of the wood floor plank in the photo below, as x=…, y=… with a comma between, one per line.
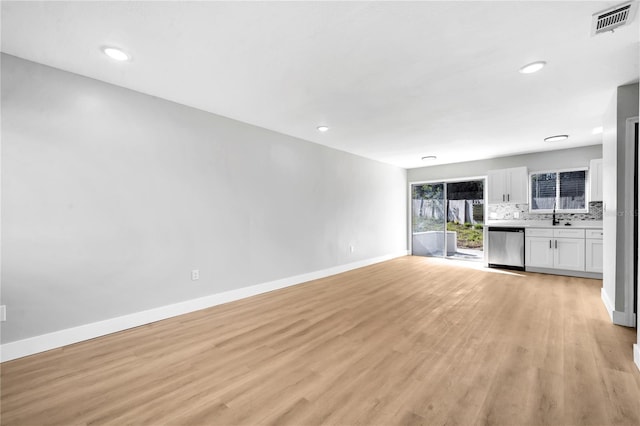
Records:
x=409, y=341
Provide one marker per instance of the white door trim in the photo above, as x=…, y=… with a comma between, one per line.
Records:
x=630, y=158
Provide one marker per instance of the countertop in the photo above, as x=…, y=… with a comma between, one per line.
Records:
x=576, y=224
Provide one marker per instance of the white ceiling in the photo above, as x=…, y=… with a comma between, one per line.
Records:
x=395, y=81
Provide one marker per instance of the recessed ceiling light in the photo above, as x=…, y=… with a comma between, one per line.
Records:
x=322, y=128
x=116, y=54
x=597, y=130
x=533, y=67
x=429, y=158
x=556, y=138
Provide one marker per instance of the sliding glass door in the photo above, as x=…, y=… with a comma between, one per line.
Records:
x=448, y=219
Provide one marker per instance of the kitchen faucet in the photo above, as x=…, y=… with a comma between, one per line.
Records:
x=555, y=221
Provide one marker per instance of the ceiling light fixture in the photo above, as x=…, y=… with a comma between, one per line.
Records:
x=556, y=138
x=429, y=158
x=597, y=130
x=116, y=54
x=322, y=128
x=532, y=67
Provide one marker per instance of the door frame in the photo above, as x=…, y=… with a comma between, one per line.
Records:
x=636, y=346
x=629, y=212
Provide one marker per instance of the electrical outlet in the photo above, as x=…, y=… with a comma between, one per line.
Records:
x=516, y=215
x=352, y=249
x=3, y=312
x=195, y=274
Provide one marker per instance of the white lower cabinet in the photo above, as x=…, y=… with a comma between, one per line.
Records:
x=594, y=253
x=562, y=249
x=538, y=252
x=569, y=254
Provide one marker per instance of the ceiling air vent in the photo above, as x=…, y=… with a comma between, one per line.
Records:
x=612, y=18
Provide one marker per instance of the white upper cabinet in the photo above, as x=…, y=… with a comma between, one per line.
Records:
x=517, y=179
x=496, y=187
x=595, y=179
x=507, y=186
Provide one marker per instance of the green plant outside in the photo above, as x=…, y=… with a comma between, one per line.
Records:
x=468, y=236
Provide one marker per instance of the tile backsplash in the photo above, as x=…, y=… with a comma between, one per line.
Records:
x=506, y=212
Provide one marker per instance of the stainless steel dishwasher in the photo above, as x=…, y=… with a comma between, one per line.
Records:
x=506, y=248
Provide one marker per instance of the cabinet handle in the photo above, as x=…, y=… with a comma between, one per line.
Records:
x=556, y=243
x=507, y=197
x=549, y=243
x=503, y=197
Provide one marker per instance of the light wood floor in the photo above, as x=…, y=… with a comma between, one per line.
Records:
x=409, y=341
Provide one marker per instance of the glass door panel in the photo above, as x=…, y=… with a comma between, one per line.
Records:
x=465, y=219
x=428, y=219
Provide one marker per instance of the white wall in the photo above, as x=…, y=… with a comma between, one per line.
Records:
x=610, y=198
x=624, y=105
x=564, y=158
x=110, y=197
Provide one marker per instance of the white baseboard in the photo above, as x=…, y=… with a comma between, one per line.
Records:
x=57, y=339
x=607, y=303
x=636, y=355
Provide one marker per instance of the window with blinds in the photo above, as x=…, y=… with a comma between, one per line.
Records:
x=566, y=191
